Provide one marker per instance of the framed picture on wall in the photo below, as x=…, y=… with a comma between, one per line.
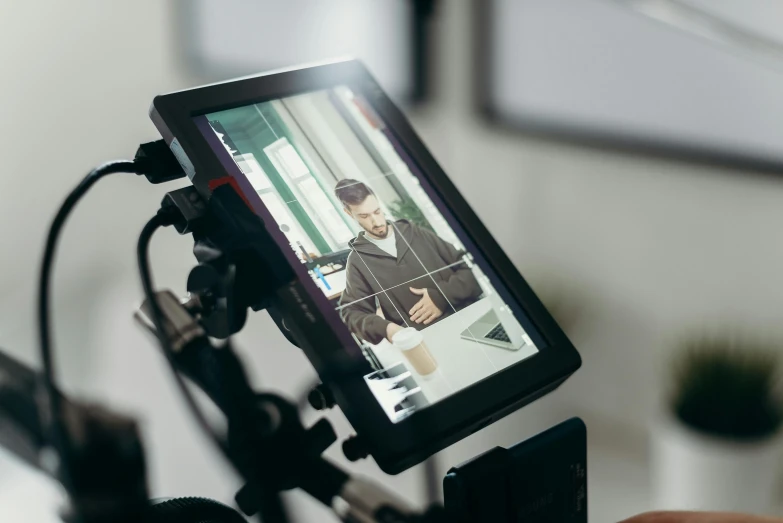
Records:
x=229, y=38
x=690, y=79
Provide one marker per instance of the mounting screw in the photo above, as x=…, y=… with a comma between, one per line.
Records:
x=321, y=398
x=355, y=449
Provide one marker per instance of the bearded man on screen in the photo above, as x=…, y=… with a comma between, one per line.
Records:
x=407, y=272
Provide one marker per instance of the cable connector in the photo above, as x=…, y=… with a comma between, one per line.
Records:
x=183, y=208
x=157, y=163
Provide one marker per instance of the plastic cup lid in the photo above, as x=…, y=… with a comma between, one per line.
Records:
x=407, y=338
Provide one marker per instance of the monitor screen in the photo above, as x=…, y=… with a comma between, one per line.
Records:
x=386, y=259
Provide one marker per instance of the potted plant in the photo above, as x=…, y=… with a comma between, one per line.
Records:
x=718, y=448
x=405, y=209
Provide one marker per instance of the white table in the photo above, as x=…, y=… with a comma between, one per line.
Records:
x=461, y=362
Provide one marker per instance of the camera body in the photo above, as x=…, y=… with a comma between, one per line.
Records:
x=541, y=479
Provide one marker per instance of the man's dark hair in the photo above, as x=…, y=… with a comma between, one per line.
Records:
x=352, y=192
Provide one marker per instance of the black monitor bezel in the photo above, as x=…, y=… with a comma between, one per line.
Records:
x=394, y=446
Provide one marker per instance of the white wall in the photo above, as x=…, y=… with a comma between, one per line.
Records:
x=77, y=83
x=77, y=80
x=651, y=249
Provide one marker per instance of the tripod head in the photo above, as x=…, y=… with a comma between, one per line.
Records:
x=233, y=273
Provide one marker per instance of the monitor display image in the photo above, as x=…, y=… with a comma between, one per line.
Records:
x=382, y=251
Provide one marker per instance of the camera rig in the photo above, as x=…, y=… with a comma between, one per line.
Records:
x=98, y=454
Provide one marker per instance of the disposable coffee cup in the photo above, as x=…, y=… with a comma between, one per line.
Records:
x=411, y=343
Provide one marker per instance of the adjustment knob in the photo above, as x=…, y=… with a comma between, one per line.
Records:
x=355, y=449
x=321, y=398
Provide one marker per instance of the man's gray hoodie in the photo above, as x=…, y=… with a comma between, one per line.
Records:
x=374, y=278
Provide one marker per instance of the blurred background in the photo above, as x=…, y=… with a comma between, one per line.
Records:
x=625, y=154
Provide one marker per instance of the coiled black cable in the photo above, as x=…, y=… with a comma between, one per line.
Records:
x=162, y=219
x=44, y=307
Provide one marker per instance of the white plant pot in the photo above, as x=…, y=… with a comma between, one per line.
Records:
x=693, y=471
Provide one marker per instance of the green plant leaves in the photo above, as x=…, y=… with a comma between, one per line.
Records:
x=728, y=389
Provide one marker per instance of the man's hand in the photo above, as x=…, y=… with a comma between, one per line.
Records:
x=699, y=517
x=425, y=311
x=391, y=330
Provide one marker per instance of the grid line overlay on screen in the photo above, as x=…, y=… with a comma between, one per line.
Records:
x=449, y=266
x=379, y=284
x=454, y=309
x=255, y=106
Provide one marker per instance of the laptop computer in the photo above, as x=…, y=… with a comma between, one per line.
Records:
x=498, y=328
